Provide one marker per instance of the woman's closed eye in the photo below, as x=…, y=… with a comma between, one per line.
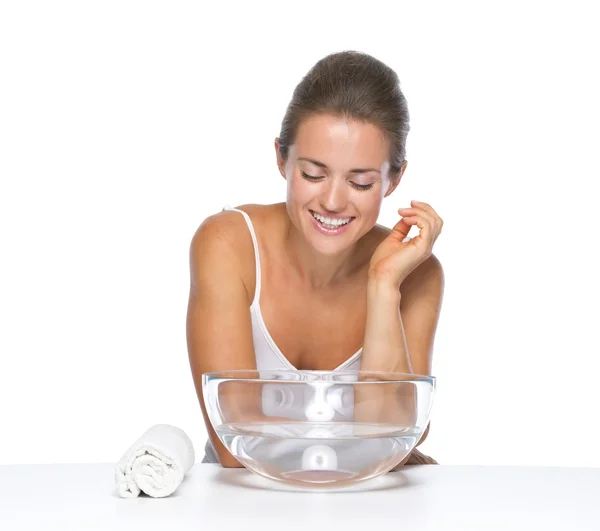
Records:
x=361, y=186
x=310, y=177
x=314, y=178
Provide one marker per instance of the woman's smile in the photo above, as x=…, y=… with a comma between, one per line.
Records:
x=329, y=225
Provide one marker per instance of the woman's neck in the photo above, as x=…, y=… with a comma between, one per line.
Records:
x=317, y=270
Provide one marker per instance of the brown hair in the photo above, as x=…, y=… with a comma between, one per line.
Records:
x=347, y=85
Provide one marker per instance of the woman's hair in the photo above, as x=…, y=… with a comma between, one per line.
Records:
x=351, y=85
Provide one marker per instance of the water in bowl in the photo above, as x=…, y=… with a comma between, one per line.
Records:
x=318, y=454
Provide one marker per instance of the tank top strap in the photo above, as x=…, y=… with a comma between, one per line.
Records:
x=256, y=253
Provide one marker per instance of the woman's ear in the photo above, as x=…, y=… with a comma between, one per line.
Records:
x=395, y=179
x=280, y=161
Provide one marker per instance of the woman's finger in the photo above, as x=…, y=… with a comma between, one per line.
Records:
x=410, y=212
x=426, y=207
x=430, y=214
x=424, y=225
x=436, y=224
x=401, y=229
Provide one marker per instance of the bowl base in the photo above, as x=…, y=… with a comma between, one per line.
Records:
x=319, y=476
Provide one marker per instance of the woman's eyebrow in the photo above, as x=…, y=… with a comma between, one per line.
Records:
x=321, y=165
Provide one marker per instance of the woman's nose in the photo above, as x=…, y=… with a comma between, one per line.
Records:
x=335, y=196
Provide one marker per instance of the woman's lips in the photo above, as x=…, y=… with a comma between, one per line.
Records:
x=329, y=231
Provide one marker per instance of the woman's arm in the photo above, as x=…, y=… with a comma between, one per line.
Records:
x=399, y=336
x=219, y=329
x=401, y=323
x=384, y=347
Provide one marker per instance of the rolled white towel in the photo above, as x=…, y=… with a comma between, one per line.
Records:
x=156, y=463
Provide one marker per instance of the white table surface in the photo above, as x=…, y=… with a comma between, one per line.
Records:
x=434, y=497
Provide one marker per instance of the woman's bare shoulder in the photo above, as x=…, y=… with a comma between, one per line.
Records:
x=229, y=226
x=221, y=228
x=225, y=237
x=265, y=214
x=373, y=238
x=380, y=232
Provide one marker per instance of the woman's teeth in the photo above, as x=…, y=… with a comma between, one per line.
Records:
x=330, y=223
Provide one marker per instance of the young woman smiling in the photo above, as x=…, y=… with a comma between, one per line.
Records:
x=314, y=282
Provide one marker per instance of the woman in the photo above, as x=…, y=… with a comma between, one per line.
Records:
x=326, y=286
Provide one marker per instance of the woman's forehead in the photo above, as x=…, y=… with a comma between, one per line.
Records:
x=336, y=141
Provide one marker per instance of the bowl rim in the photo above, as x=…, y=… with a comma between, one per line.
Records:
x=396, y=377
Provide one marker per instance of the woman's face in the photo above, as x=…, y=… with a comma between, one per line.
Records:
x=337, y=175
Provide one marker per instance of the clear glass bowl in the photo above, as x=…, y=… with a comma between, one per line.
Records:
x=318, y=428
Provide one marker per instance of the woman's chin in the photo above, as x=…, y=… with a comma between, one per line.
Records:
x=329, y=246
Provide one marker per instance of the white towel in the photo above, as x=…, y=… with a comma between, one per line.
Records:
x=156, y=463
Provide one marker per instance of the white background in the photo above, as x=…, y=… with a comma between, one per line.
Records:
x=124, y=124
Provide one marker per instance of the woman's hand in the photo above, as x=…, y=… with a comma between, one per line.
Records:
x=394, y=260
x=416, y=458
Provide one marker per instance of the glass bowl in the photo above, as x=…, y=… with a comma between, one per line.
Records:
x=318, y=429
